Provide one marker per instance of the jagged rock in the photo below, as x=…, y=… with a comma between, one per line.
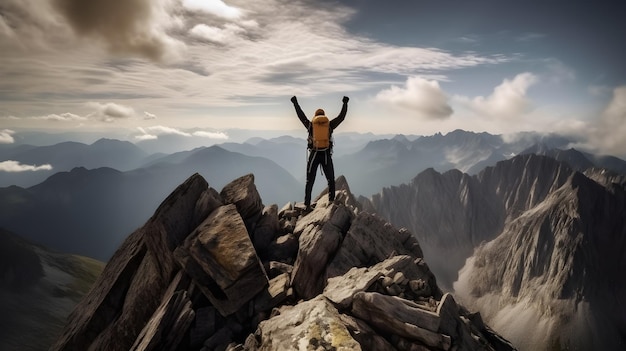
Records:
x=230, y=271
x=403, y=344
x=178, y=215
x=205, y=324
x=341, y=290
x=401, y=317
x=319, y=234
x=370, y=240
x=243, y=193
x=169, y=322
x=452, y=213
x=212, y=292
x=275, y=269
x=283, y=249
x=365, y=335
x=342, y=194
x=266, y=230
x=546, y=255
x=287, y=225
x=276, y=293
x=132, y=284
x=222, y=337
x=533, y=227
x=309, y=325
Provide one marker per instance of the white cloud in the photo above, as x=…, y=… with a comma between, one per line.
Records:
x=214, y=7
x=211, y=135
x=63, y=117
x=507, y=101
x=110, y=112
x=15, y=166
x=153, y=132
x=225, y=35
x=419, y=95
x=163, y=130
x=6, y=136
x=143, y=137
x=148, y=115
x=608, y=133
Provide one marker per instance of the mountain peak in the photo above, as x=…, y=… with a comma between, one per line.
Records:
x=218, y=270
x=533, y=244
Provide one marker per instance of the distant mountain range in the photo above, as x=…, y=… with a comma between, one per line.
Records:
x=120, y=155
x=544, y=244
x=91, y=211
x=96, y=194
x=388, y=162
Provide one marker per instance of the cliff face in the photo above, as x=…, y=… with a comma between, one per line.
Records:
x=549, y=246
x=449, y=213
x=561, y=281
x=220, y=271
x=453, y=212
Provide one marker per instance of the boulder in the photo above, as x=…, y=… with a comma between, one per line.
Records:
x=221, y=258
x=400, y=317
x=319, y=233
x=283, y=249
x=243, y=193
x=275, y=294
x=311, y=325
x=370, y=240
x=180, y=213
x=204, y=326
x=131, y=286
x=170, y=321
x=266, y=230
x=274, y=269
x=341, y=290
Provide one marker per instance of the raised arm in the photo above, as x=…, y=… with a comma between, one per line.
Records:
x=342, y=115
x=305, y=121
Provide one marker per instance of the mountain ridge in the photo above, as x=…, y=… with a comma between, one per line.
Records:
x=500, y=212
x=81, y=210
x=64, y=156
x=220, y=271
x=572, y=263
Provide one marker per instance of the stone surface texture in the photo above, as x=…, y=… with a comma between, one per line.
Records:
x=220, y=271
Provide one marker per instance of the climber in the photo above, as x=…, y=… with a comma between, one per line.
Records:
x=320, y=147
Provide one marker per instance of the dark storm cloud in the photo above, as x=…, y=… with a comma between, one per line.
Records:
x=126, y=26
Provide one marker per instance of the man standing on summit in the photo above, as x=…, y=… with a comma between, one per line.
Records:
x=320, y=147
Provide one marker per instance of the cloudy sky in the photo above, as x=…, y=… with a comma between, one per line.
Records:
x=201, y=67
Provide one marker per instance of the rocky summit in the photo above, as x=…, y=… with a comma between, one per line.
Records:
x=220, y=271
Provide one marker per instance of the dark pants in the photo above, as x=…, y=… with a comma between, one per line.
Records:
x=317, y=158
